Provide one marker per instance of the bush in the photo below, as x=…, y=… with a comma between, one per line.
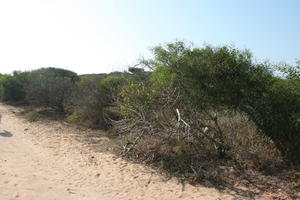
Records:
x=88, y=102
x=50, y=87
x=93, y=100
x=32, y=116
x=112, y=86
x=277, y=114
x=136, y=100
x=12, y=86
x=206, y=81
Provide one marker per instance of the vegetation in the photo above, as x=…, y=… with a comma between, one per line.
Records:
x=50, y=87
x=207, y=82
x=185, y=110
x=12, y=86
x=92, y=99
x=32, y=116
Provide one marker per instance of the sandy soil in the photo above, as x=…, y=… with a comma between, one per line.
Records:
x=46, y=161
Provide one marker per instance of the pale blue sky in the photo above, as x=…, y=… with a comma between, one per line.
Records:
x=94, y=36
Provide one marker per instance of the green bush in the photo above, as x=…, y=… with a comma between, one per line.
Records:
x=137, y=100
x=74, y=118
x=88, y=102
x=277, y=114
x=93, y=98
x=111, y=87
x=50, y=87
x=225, y=78
x=32, y=116
x=12, y=86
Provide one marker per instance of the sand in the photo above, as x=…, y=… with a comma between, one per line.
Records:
x=45, y=161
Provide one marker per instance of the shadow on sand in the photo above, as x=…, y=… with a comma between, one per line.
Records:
x=5, y=134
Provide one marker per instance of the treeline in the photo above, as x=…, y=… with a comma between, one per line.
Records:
x=179, y=107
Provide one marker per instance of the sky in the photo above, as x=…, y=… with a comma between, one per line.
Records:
x=99, y=36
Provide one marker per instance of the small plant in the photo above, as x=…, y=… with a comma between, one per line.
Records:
x=32, y=116
x=74, y=118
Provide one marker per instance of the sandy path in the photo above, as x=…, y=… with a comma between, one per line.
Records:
x=39, y=161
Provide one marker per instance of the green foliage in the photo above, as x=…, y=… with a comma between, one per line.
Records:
x=200, y=82
x=277, y=113
x=290, y=72
x=74, y=118
x=112, y=86
x=209, y=77
x=50, y=87
x=32, y=116
x=89, y=101
x=138, y=74
x=225, y=78
x=12, y=86
x=162, y=78
x=136, y=99
x=93, y=98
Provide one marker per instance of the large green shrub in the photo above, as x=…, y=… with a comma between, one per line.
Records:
x=225, y=78
x=50, y=87
x=12, y=86
x=88, y=101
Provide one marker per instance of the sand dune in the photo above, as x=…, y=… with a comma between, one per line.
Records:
x=46, y=161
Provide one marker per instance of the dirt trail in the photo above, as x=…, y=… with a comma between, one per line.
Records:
x=45, y=161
